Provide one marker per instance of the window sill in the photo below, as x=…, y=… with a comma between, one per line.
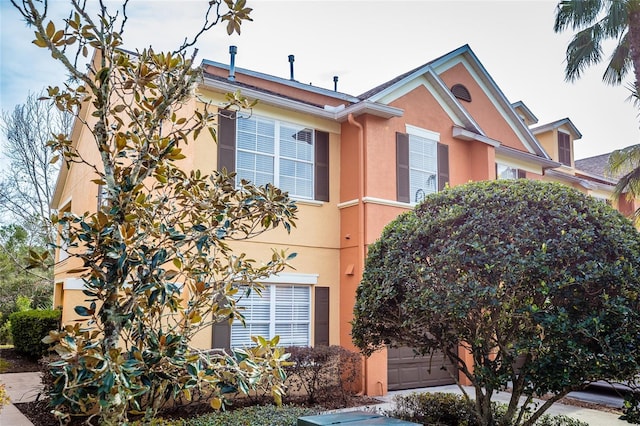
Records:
x=305, y=202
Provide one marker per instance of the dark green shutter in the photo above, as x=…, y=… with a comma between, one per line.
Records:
x=402, y=167
x=322, y=166
x=227, y=140
x=321, y=320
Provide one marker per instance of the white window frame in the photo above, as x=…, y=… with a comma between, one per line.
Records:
x=278, y=157
x=417, y=134
x=272, y=322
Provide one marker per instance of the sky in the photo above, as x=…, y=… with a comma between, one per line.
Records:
x=364, y=43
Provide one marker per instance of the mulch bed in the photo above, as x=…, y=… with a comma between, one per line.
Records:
x=15, y=362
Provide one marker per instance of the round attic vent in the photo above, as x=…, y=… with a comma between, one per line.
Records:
x=461, y=92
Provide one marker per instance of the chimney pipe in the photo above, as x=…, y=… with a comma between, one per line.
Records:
x=335, y=83
x=291, y=59
x=232, y=66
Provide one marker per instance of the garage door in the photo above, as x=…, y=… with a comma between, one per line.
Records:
x=407, y=371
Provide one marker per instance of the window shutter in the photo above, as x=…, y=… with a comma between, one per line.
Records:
x=522, y=174
x=321, y=318
x=221, y=336
x=402, y=167
x=443, y=166
x=322, y=166
x=564, y=148
x=227, y=140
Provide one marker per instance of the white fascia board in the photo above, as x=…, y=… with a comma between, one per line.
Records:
x=599, y=177
x=571, y=179
x=270, y=99
x=340, y=115
x=368, y=107
x=466, y=135
x=508, y=152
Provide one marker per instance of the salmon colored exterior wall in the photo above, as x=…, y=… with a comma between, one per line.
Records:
x=331, y=238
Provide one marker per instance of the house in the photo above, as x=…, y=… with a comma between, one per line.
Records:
x=353, y=163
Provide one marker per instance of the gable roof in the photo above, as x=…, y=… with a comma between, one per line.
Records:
x=556, y=124
x=432, y=70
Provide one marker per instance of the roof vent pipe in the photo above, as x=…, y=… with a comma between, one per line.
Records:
x=291, y=59
x=232, y=66
x=335, y=83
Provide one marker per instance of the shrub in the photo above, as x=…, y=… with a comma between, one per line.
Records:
x=5, y=333
x=28, y=328
x=450, y=409
x=631, y=407
x=322, y=373
x=265, y=415
x=510, y=270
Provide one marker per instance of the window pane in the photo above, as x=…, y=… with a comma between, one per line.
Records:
x=423, y=167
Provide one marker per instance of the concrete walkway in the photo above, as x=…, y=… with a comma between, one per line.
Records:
x=21, y=387
x=592, y=417
x=24, y=387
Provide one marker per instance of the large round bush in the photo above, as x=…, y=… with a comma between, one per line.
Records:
x=523, y=271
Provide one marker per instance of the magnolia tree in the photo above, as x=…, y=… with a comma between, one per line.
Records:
x=155, y=258
x=537, y=282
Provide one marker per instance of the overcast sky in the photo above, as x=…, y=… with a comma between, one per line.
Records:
x=366, y=43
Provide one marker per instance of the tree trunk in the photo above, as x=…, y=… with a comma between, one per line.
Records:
x=634, y=40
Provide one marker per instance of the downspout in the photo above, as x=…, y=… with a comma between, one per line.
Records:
x=361, y=218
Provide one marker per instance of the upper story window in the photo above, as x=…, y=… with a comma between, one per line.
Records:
x=423, y=167
x=270, y=151
x=564, y=148
x=262, y=150
x=64, y=233
x=283, y=310
x=422, y=164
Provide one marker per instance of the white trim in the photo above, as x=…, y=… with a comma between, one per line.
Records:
x=423, y=133
x=291, y=278
x=73, y=284
x=388, y=203
x=307, y=202
x=349, y=203
x=466, y=135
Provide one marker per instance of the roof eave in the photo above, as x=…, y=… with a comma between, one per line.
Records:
x=292, y=83
x=544, y=162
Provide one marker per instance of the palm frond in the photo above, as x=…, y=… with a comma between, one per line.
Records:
x=619, y=63
x=616, y=20
x=576, y=14
x=584, y=50
x=625, y=163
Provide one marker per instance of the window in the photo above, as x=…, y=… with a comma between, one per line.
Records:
x=103, y=197
x=273, y=152
x=423, y=167
x=564, y=148
x=64, y=229
x=506, y=172
x=422, y=164
x=283, y=310
x=292, y=157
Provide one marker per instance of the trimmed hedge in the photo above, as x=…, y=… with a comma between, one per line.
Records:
x=446, y=409
x=28, y=328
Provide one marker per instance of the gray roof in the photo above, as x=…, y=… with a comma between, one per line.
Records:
x=595, y=165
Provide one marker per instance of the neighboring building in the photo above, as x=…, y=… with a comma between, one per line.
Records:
x=353, y=163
